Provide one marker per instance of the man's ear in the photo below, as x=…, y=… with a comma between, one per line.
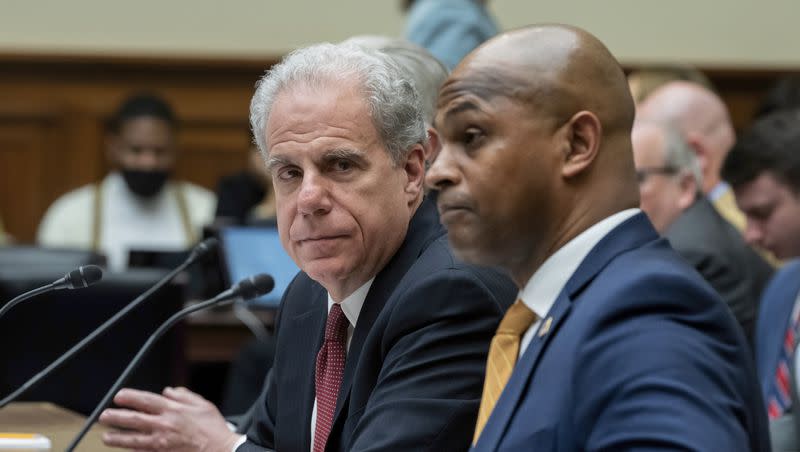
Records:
x=583, y=134
x=688, y=190
x=701, y=151
x=433, y=147
x=415, y=171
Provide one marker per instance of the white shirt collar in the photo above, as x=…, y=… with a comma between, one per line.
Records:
x=541, y=291
x=351, y=305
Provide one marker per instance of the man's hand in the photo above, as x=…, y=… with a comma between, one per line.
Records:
x=177, y=420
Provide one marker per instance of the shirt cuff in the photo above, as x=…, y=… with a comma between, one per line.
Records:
x=241, y=441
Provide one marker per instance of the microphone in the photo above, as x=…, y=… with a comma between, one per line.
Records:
x=79, y=278
x=198, y=252
x=246, y=289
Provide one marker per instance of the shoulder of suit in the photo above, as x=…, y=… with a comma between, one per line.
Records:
x=80, y=198
x=66, y=221
x=201, y=202
x=195, y=192
x=789, y=271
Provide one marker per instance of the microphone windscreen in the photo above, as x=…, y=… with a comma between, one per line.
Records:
x=255, y=286
x=84, y=276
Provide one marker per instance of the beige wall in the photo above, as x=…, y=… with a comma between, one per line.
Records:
x=731, y=33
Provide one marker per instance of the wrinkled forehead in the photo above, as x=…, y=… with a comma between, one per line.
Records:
x=475, y=87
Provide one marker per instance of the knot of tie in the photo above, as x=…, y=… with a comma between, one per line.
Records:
x=336, y=326
x=517, y=319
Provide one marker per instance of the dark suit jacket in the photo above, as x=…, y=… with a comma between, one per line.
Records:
x=641, y=354
x=718, y=252
x=414, y=370
x=773, y=321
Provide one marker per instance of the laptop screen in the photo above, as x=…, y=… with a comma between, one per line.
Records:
x=250, y=250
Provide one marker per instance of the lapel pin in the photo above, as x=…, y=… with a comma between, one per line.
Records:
x=545, y=326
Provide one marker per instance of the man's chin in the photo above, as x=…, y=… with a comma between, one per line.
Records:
x=326, y=273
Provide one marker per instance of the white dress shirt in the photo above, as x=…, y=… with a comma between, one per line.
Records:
x=351, y=307
x=127, y=221
x=541, y=291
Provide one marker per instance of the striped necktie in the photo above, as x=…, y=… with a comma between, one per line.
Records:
x=780, y=395
x=503, y=353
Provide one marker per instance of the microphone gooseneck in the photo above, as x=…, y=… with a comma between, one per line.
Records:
x=79, y=278
x=248, y=288
x=199, y=251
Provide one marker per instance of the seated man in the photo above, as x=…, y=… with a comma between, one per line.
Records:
x=701, y=116
x=136, y=206
x=616, y=344
x=372, y=352
x=764, y=171
x=669, y=185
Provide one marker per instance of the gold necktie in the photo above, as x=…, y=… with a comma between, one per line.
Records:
x=502, y=356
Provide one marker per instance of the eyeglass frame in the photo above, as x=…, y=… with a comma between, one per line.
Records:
x=643, y=173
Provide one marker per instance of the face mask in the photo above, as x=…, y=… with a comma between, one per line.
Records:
x=145, y=183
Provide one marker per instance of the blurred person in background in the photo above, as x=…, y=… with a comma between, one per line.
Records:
x=137, y=205
x=764, y=171
x=669, y=186
x=246, y=197
x=646, y=79
x=701, y=116
x=449, y=29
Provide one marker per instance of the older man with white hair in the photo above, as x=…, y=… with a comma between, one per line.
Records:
x=670, y=182
x=372, y=354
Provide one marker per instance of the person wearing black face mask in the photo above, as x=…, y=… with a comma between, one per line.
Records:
x=137, y=205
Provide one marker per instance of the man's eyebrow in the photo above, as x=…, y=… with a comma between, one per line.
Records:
x=461, y=107
x=274, y=161
x=343, y=153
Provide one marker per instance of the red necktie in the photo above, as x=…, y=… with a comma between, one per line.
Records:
x=330, y=367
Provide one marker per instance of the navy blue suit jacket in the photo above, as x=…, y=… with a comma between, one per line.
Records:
x=641, y=354
x=414, y=370
x=777, y=303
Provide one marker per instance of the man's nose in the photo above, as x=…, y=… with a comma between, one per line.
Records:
x=753, y=233
x=313, y=197
x=443, y=172
x=148, y=159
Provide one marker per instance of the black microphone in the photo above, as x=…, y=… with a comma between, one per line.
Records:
x=199, y=251
x=79, y=278
x=246, y=289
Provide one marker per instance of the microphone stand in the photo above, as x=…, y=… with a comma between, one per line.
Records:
x=100, y=330
x=123, y=378
x=31, y=293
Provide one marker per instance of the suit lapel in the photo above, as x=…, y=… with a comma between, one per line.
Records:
x=520, y=378
x=423, y=229
x=632, y=233
x=305, y=351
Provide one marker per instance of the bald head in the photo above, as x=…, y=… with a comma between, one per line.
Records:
x=558, y=70
x=701, y=116
x=535, y=126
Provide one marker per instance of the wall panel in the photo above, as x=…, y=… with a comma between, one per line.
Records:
x=53, y=107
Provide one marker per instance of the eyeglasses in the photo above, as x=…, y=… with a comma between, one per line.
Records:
x=643, y=173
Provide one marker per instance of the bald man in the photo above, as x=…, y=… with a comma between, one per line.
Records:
x=669, y=181
x=615, y=343
x=704, y=120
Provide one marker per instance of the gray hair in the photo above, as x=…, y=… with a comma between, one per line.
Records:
x=392, y=100
x=678, y=153
x=427, y=73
